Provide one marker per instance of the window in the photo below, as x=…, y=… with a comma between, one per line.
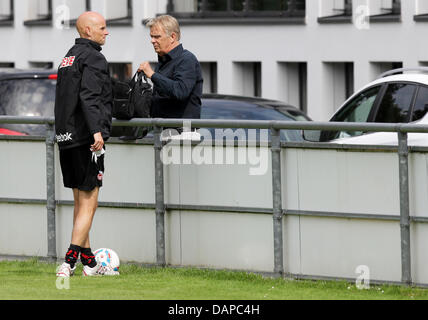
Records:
x=335, y=11
x=292, y=83
x=209, y=74
x=40, y=65
x=6, y=12
x=76, y=8
x=248, y=77
x=232, y=109
x=27, y=97
x=224, y=9
x=385, y=10
x=116, y=12
x=120, y=71
x=395, y=104
x=338, y=84
x=7, y=65
x=358, y=109
x=377, y=68
x=421, y=13
x=40, y=13
x=421, y=104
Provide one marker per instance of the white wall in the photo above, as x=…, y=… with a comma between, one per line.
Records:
x=313, y=43
x=328, y=180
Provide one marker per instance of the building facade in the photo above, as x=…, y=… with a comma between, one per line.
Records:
x=310, y=53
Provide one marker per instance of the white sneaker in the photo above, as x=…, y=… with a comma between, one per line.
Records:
x=90, y=272
x=65, y=270
x=108, y=271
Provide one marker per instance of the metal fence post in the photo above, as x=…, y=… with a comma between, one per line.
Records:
x=50, y=190
x=403, y=155
x=277, y=202
x=160, y=202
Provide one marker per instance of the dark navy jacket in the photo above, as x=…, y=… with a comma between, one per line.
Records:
x=177, y=86
x=83, y=96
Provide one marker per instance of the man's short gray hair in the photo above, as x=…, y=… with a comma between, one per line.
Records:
x=168, y=23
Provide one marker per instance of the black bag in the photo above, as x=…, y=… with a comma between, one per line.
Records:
x=131, y=100
x=141, y=97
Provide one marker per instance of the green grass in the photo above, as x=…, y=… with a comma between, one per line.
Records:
x=32, y=279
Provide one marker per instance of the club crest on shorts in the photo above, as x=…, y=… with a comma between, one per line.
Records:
x=100, y=176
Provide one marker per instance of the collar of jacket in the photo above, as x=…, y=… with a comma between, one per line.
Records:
x=90, y=42
x=174, y=53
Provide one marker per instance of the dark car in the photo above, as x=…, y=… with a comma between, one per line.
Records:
x=32, y=93
x=26, y=93
x=218, y=106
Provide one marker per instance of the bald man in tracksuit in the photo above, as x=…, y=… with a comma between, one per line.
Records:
x=83, y=123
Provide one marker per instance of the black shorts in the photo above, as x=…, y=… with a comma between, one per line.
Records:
x=80, y=170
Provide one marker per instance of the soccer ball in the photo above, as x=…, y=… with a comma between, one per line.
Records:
x=107, y=258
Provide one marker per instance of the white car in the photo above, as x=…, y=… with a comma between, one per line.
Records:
x=393, y=98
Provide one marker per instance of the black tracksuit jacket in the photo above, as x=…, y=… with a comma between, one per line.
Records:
x=84, y=96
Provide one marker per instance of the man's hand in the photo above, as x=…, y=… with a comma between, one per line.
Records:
x=147, y=69
x=98, y=142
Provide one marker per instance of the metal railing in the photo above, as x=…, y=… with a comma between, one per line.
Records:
x=277, y=211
